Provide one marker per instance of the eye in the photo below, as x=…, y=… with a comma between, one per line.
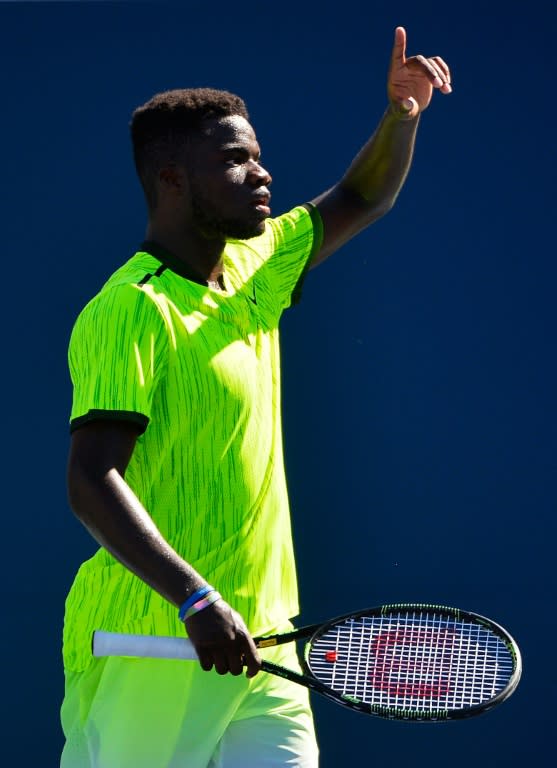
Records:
x=235, y=157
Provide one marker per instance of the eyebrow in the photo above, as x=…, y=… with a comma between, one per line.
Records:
x=239, y=148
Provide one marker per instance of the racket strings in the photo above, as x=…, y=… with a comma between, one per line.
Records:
x=413, y=660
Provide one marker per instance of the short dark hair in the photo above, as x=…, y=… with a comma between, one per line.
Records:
x=161, y=127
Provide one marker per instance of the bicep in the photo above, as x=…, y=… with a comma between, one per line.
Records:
x=99, y=446
x=343, y=214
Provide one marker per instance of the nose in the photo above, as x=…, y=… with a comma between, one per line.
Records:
x=260, y=176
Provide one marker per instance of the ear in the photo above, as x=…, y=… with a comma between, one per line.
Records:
x=172, y=179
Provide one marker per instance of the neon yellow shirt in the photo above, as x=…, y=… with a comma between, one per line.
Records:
x=198, y=371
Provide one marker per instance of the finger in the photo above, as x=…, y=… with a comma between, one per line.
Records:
x=441, y=81
x=252, y=659
x=221, y=662
x=235, y=663
x=445, y=74
x=206, y=661
x=431, y=70
x=399, y=47
x=443, y=66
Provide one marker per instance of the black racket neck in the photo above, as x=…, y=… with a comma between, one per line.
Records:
x=300, y=633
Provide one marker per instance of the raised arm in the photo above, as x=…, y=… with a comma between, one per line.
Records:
x=371, y=184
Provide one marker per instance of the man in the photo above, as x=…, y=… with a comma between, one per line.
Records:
x=176, y=462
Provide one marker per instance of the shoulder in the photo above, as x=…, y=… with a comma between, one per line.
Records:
x=288, y=232
x=125, y=301
x=137, y=271
x=304, y=217
x=300, y=221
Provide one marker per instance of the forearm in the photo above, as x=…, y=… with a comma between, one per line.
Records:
x=100, y=497
x=378, y=171
x=114, y=516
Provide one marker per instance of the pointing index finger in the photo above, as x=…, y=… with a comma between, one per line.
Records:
x=399, y=47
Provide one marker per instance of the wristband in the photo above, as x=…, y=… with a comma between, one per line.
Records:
x=200, y=605
x=197, y=595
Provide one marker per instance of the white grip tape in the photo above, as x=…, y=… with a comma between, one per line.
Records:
x=142, y=646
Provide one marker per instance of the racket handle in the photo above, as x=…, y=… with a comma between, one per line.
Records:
x=143, y=646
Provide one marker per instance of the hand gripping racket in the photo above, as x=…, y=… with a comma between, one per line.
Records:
x=404, y=662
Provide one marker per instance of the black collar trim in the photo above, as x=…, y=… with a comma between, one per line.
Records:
x=172, y=262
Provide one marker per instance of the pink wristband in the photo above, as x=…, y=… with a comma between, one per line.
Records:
x=203, y=603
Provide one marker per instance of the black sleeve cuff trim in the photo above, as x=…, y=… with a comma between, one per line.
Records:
x=97, y=414
x=317, y=242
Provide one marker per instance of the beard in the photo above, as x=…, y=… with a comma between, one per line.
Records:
x=211, y=223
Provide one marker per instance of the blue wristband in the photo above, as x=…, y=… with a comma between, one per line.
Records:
x=193, y=599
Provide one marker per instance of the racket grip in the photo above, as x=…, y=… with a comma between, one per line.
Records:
x=142, y=646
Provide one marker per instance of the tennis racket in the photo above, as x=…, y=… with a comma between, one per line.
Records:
x=404, y=662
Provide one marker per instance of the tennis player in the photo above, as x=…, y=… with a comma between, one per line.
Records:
x=176, y=463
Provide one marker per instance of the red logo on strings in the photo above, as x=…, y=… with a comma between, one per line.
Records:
x=412, y=661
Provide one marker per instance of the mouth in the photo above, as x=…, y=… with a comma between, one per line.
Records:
x=261, y=203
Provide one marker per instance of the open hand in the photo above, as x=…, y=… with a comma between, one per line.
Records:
x=411, y=81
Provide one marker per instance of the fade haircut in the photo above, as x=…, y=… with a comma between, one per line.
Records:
x=161, y=128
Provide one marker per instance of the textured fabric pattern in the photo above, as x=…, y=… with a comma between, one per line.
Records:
x=199, y=371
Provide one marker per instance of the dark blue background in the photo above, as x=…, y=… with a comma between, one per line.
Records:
x=419, y=370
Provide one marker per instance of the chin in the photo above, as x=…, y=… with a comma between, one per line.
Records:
x=243, y=230
x=212, y=225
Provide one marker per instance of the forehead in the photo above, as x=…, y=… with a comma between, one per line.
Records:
x=220, y=132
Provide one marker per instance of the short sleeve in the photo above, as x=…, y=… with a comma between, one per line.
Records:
x=296, y=238
x=117, y=355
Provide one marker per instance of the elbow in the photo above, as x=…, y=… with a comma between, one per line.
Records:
x=374, y=212
x=383, y=206
x=367, y=208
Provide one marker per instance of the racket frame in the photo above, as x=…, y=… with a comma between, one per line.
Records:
x=315, y=631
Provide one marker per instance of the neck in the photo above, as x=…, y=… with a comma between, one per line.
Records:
x=200, y=253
